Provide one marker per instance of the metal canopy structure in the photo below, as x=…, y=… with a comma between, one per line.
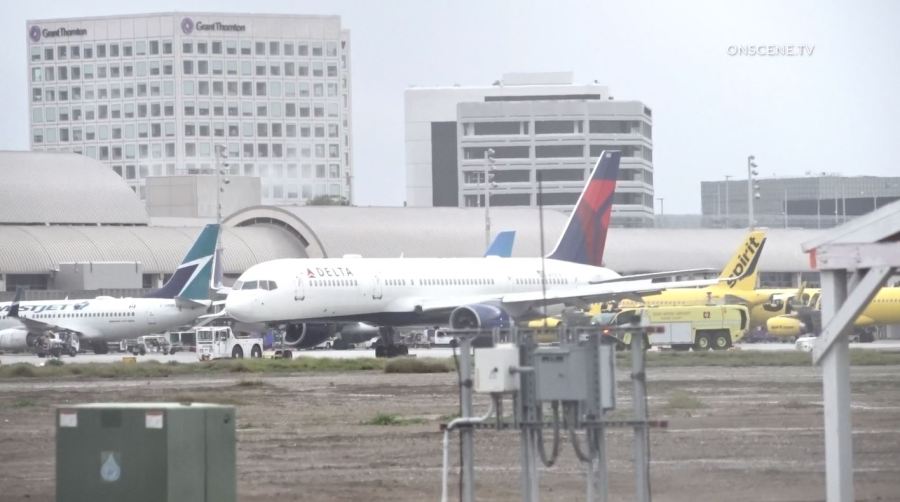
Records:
x=854, y=260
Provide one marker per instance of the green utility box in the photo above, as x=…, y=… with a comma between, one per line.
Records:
x=145, y=452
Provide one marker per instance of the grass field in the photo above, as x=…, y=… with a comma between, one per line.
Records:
x=150, y=369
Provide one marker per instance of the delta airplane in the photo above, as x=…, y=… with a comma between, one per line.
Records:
x=464, y=293
x=95, y=321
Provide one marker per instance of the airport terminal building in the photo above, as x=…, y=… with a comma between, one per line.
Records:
x=154, y=94
x=536, y=124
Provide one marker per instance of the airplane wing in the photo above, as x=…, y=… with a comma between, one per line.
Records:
x=600, y=292
x=658, y=275
x=35, y=326
x=40, y=327
x=577, y=295
x=613, y=289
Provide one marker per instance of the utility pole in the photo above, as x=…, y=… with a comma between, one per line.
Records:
x=662, y=211
x=752, y=189
x=785, y=209
x=727, y=209
x=221, y=165
x=488, y=180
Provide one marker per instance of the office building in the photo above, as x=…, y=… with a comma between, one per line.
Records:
x=155, y=94
x=535, y=124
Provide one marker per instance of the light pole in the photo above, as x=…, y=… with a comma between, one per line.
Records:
x=785, y=209
x=662, y=211
x=221, y=165
x=752, y=189
x=221, y=157
x=727, y=209
x=488, y=180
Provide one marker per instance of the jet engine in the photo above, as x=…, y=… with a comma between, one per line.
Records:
x=480, y=316
x=785, y=326
x=16, y=339
x=305, y=335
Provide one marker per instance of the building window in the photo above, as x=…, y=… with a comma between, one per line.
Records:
x=560, y=151
x=500, y=152
x=554, y=126
x=610, y=127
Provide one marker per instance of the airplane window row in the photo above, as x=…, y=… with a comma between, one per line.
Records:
x=264, y=285
x=537, y=280
x=396, y=282
x=332, y=282
x=79, y=315
x=479, y=281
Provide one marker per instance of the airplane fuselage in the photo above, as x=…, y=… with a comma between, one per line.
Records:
x=101, y=318
x=393, y=291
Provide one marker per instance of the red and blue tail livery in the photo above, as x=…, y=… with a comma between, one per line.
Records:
x=584, y=239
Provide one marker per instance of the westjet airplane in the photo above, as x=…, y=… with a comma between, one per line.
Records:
x=95, y=321
x=464, y=293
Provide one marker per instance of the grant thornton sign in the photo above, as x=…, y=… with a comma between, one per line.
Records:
x=35, y=33
x=188, y=26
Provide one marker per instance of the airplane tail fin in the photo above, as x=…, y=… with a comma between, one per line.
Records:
x=193, y=278
x=584, y=238
x=502, y=244
x=14, y=306
x=742, y=267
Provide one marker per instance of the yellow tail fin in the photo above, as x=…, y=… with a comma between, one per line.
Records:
x=743, y=263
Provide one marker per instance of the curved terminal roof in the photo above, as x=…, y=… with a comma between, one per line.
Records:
x=64, y=188
x=38, y=249
x=332, y=231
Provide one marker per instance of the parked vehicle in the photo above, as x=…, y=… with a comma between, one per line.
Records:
x=182, y=340
x=805, y=343
x=220, y=342
x=701, y=327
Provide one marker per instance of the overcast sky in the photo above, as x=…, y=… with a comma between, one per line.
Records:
x=833, y=111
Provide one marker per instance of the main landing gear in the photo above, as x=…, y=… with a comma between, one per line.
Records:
x=387, y=346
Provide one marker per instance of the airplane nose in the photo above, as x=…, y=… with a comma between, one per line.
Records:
x=240, y=307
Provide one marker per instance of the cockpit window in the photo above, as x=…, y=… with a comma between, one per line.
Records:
x=264, y=285
x=237, y=285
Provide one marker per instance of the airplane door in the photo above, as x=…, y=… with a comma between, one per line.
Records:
x=299, y=290
x=376, y=288
x=151, y=317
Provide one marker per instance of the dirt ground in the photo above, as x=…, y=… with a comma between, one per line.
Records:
x=736, y=434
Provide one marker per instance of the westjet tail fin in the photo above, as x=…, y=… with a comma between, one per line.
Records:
x=193, y=278
x=741, y=269
x=14, y=306
x=502, y=244
x=584, y=238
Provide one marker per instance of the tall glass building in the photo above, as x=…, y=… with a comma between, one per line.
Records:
x=155, y=94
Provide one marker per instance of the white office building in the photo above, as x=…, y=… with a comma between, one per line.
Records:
x=535, y=124
x=156, y=94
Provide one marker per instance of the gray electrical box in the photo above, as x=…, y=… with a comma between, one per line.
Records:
x=561, y=373
x=601, y=381
x=145, y=452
